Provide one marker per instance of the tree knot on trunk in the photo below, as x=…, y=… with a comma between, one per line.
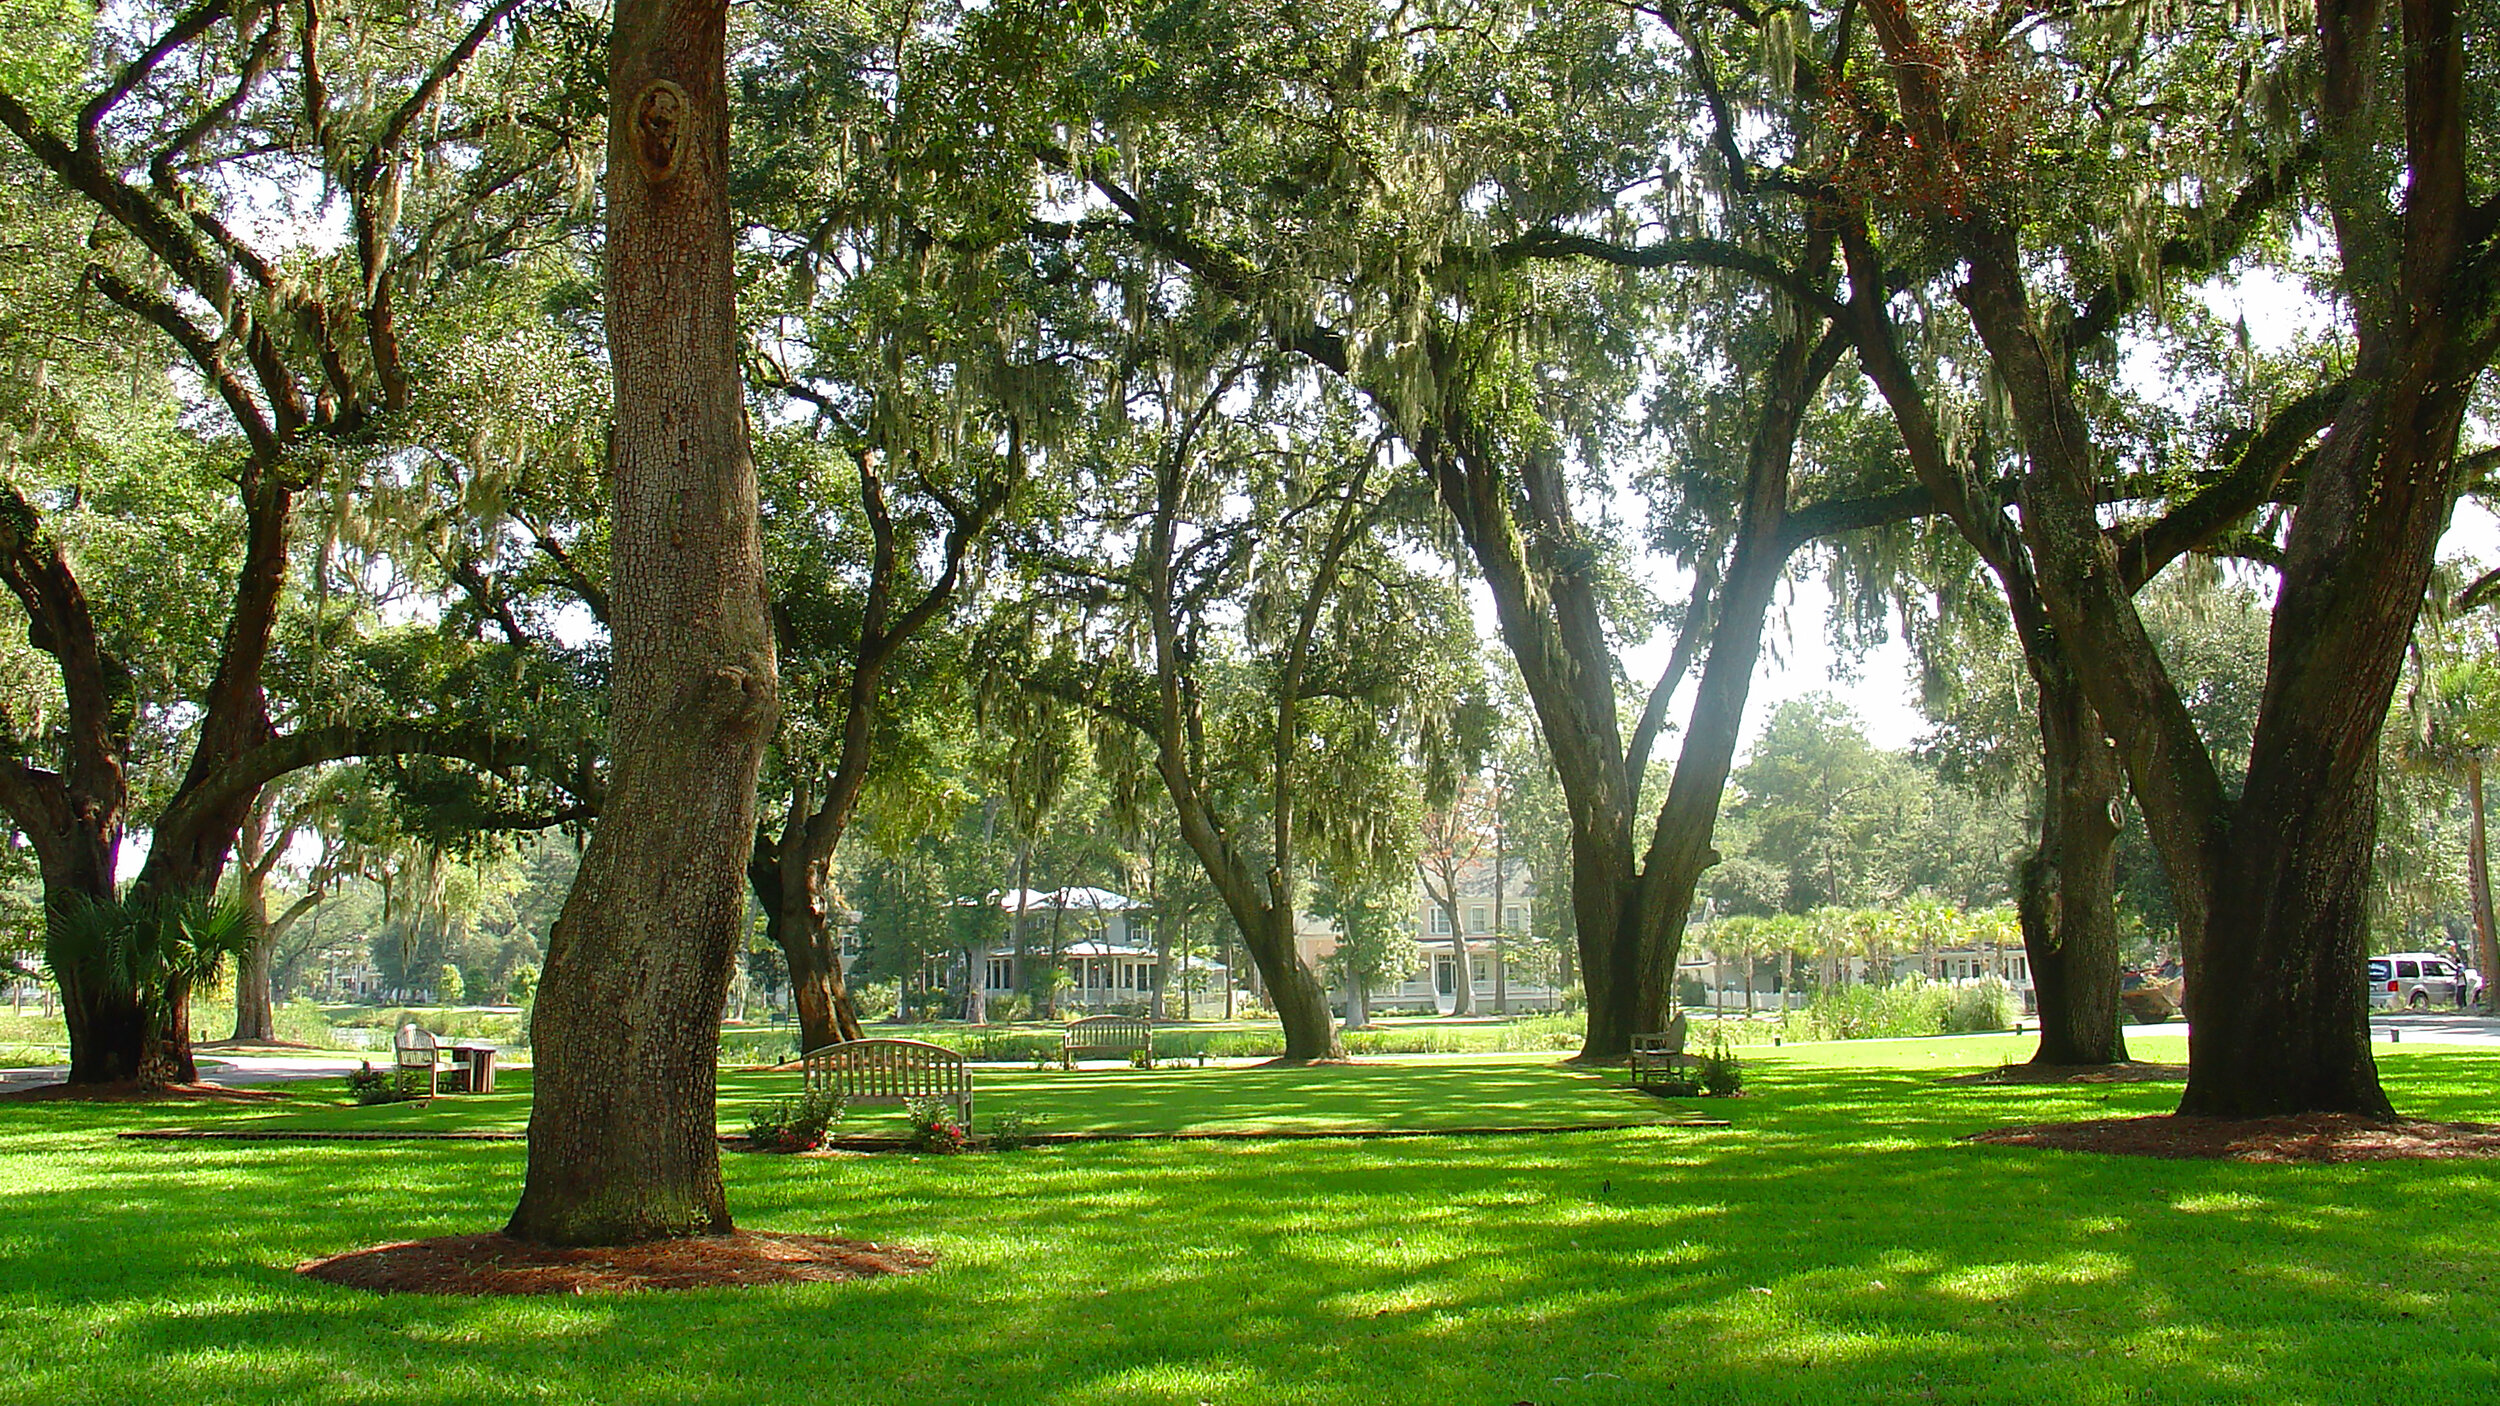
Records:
x=737, y=698
x=661, y=111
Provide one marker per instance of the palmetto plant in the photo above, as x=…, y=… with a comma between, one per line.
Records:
x=154, y=949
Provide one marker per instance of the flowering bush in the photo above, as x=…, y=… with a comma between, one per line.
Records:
x=936, y=1126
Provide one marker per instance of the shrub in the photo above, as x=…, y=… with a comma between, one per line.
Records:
x=875, y=1000
x=1912, y=1007
x=1141, y=1059
x=1985, y=1004
x=1721, y=1075
x=793, y=1124
x=936, y=1126
x=301, y=1022
x=369, y=1086
x=1012, y=1131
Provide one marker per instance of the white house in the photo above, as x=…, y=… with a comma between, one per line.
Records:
x=1433, y=984
x=1103, y=940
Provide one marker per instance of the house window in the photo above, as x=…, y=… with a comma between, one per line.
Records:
x=1477, y=919
x=1515, y=918
x=1002, y=973
x=1479, y=968
x=1440, y=920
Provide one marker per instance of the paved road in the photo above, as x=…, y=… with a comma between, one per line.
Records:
x=2436, y=1028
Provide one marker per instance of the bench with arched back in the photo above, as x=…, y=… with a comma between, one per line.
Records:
x=890, y=1072
x=1105, y=1035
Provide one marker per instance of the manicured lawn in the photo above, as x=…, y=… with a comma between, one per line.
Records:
x=1835, y=1245
x=1499, y=1091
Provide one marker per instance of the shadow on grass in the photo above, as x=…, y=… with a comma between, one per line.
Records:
x=1836, y=1246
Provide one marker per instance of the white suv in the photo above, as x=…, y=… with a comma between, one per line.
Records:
x=2416, y=981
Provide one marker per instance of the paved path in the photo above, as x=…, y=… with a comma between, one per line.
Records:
x=2436, y=1028
x=216, y=1068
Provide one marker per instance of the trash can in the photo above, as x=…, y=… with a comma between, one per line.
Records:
x=476, y=1067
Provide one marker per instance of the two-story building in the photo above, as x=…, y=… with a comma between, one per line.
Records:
x=1480, y=944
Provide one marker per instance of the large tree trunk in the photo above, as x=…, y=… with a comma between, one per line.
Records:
x=253, y=1017
x=108, y=1030
x=627, y=1027
x=1301, y=1002
x=797, y=919
x=255, y=1010
x=1629, y=909
x=2067, y=898
x=2478, y=880
x=1265, y=925
x=1358, y=1005
x=2272, y=889
x=809, y=942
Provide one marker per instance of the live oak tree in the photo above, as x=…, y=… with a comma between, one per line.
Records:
x=626, y=1025
x=2272, y=884
x=1236, y=618
x=1476, y=288
x=307, y=359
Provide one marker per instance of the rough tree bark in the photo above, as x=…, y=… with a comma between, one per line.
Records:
x=2066, y=890
x=627, y=1025
x=1538, y=564
x=1629, y=906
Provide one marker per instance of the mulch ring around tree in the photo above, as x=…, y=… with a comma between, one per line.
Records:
x=2132, y=1072
x=498, y=1264
x=2307, y=1137
x=134, y=1092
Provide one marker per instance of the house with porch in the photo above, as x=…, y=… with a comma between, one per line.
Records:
x=1479, y=944
x=1103, y=941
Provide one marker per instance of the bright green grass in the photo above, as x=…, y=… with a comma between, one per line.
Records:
x=1836, y=1245
x=1496, y=1091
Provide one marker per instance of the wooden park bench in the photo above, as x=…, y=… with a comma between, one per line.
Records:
x=1655, y=1058
x=1105, y=1035
x=890, y=1072
x=414, y=1050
